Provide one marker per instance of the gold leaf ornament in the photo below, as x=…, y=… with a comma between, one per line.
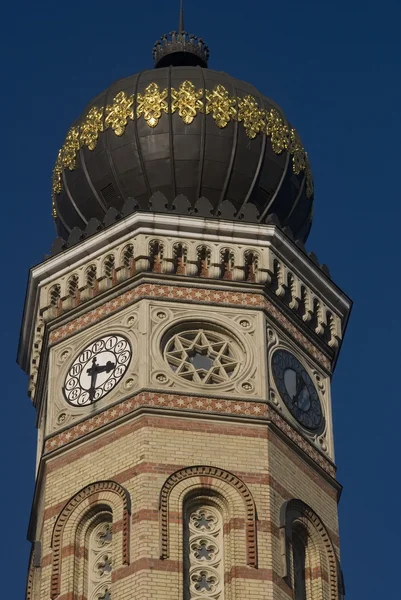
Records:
x=221, y=105
x=299, y=157
x=118, y=113
x=57, y=174
x=70, y=149
x=91, y=127
x=187, y=101
x=151, y=104
x=278, y=131
x=252, y=116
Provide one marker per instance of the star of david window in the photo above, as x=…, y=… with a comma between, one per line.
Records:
x=202, y=356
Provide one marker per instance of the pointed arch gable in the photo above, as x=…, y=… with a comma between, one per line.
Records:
x=208, y=476
x=96, y=494
x=296, y=511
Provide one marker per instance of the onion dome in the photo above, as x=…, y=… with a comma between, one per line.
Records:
x=199, y=141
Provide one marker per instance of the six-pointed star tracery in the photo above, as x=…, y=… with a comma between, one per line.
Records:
x=201, y=356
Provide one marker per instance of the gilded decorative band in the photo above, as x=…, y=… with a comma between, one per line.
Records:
x=187, y=101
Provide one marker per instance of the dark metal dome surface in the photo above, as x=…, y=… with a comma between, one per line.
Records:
x=183, y=130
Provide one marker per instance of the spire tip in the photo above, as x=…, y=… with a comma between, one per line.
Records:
x=181, y=21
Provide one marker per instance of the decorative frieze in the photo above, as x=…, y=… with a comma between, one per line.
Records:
x=206, y=261
x=188, y=102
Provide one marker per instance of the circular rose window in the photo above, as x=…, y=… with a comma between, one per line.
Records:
x=202, y=356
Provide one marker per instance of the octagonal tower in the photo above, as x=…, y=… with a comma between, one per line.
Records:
x=180, y=344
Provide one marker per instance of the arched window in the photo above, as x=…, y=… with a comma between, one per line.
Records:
x=250, y=266
x=226, y=263
x=310, y=564
x=203, y=552
x=299, y=564
x=128, y=255
x=54, y=295
x=180, y=253
x=215, y=530
x=204, y=255
x=86, y=524
x=156, y=253
x=100, y=559
x=91, y=275
x=108, y=266
x=73, y=286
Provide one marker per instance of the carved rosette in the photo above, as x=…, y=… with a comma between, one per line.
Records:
x=100, y=562
x=151, y=104
x=118, y=113
x=186, y=101
x=251, y=115
x=221, y=105
x=91, y=128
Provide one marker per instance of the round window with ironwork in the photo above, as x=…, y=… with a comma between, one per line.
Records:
x=203, y=356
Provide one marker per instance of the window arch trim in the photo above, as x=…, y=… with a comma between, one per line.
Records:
x=296, y=510
x=212, y=473
x=92, y=494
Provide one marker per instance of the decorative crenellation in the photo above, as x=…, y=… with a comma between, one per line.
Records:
x=187, y=101
x=36, y=351
x=193, y=259
x=180, y=41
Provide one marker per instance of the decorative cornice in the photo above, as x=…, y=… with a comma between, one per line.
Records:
x=187, y=101
x=246, y=254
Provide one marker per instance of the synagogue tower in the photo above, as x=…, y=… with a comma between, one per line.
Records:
x=180, y=342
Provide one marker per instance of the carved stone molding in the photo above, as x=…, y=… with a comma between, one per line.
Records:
x=295, y=510
x=211, y=261
x=210, y=473
x=102, y=490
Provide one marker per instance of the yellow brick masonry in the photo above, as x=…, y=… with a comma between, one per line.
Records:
x=140, y=455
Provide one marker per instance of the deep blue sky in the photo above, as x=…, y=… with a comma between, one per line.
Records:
x=335, y=70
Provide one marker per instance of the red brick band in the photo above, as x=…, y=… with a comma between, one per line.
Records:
x=190, y=403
